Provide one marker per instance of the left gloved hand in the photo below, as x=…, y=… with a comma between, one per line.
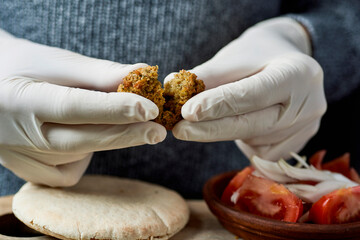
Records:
x=262, y=90
x=57, y=107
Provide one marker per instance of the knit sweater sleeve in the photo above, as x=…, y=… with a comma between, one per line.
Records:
x=335, y=34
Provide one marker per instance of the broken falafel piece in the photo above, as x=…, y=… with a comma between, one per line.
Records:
x=177, y=92
x=144, y=82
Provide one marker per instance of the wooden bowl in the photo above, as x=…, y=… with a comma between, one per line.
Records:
x=252, y=227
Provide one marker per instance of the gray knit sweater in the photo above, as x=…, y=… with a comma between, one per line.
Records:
x=176, y=35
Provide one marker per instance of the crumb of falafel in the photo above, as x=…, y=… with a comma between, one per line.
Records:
x=177, y=91
x=144, y=82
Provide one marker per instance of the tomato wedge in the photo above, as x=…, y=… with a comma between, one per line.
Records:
x=267, y=198
x=340, y=206
x=339, y=165
x=354, y=175
x=317, y=158
x=234, y=184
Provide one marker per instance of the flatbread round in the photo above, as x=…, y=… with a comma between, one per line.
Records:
x=102, y=207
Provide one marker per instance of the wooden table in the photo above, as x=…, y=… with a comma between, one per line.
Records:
x=201, y=226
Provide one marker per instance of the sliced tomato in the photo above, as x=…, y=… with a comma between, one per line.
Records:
x=234, y=184
x=317, y=158
x=339, y=165
x=340, y=206
x=354, y=175
x=269, y=199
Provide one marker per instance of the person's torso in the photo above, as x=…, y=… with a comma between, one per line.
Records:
x=171, y=34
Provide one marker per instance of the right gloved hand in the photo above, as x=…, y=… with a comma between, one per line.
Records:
x=263, y=91
x=55, y=111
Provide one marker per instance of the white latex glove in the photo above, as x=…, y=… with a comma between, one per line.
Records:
x=55, y=111
x=262, y=90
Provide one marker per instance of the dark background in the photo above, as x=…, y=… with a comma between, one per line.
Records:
x=339, y=130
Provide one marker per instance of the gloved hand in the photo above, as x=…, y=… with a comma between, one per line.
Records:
x=55, y=111
x=262, y=90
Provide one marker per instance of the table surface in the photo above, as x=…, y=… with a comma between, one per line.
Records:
x=202, y=224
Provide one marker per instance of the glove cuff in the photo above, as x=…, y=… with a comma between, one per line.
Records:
x=4, y=34
x=289, y=29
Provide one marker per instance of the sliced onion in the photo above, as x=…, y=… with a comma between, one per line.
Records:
x=256, y=173
x=235, y=196
x=311, y=174
x=311, y=193
x=335, y=176
x=302, y=191
x=270, y=170
x=301, y=160
x=304, y=218
x=330, y=186
x=283, y=172
x=301, y=188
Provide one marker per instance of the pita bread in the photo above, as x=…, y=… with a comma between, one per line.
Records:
x=102, y=207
